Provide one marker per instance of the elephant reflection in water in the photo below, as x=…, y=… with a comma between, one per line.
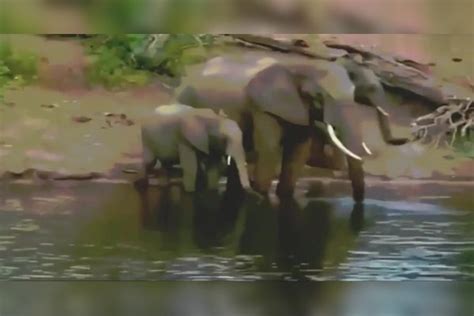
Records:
x=297, y=237
x=202, y=219
x=284, y=233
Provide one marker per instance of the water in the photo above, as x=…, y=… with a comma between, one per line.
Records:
x=104, y=231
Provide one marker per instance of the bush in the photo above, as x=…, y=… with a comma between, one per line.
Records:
x=465, y=145
x=111, y=64
x=122, y=60
x=16, y=68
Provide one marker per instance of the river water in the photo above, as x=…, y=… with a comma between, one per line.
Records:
x=109, y=231
x=104, y=231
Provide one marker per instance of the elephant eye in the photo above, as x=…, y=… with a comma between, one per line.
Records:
x=319, y=98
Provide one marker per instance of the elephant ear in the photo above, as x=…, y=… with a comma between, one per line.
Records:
x=195, y=132
x=368, y=90
x=308, y=79
x=274, y=90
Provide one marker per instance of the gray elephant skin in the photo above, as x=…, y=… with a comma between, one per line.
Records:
x=291, y=111
x=180, y=134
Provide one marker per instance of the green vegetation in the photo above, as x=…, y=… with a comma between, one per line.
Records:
x=134, y=59
x=16, y=67
x=143, y=16
x=465, y=145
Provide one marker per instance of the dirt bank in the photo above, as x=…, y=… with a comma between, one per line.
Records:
x=69, y=130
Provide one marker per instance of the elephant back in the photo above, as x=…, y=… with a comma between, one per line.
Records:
x=275, y=90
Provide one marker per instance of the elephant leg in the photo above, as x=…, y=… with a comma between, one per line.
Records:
x=356, y=175
x=295, y=156
x=267, y=138
x=251, y=171
x=189, y=164
x=213, y=175
x=233, y=180
x=250, y=160
x=357, y=218
x=149, y=161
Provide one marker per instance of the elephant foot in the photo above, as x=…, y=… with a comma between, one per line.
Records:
x=262, y=187
x=257, y=196
x=262, y=190
x=233, y=184
x=141, y=184
x=284, y=192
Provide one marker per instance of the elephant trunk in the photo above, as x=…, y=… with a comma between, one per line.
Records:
x=384, y=124
x=380, y=102
x=236, y=151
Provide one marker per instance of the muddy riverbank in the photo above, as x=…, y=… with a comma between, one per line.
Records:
x=64, y=128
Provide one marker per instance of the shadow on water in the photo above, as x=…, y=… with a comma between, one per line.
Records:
x=97, y=231
x=210, y=214
x=258, y=240
x=293, y=238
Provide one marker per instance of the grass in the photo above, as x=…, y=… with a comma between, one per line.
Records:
x=122, y=60
x=17, y=68
x=465, y=145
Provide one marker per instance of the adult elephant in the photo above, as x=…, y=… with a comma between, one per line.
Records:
x=289, y=112
x=180, y=134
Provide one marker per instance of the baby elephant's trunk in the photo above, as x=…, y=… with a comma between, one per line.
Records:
x=237, y=153
x=235, y=149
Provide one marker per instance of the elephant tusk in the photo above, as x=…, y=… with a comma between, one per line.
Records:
x=367, y=149
x=339, y=144
x=228, y=160
x=382, y=111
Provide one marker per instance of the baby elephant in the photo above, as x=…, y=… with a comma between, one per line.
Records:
x=180, y=134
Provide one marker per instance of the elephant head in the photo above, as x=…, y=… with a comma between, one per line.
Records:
x=234, y=148
x=181, y=134
x=214, y=134
x=321, y=94
x=369, y=91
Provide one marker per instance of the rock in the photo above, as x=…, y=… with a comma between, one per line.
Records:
x=30, y=172
x=83, y=176
x=81, y=119
x=129, y=122
x=49, y=106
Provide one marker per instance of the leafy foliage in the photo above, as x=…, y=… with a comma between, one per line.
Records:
x=134, y=58
x=16, y=67
x=112, y=61
x=465, y=146
x=144, y=16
